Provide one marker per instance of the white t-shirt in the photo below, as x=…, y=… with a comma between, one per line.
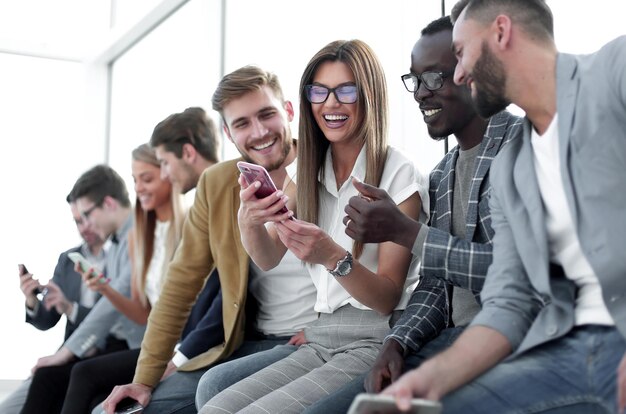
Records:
x=563, y=241
x=286, y=296
x=400, y=179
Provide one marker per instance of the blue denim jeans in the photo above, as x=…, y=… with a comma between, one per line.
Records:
x=224, y=375
x=339, y=401
x=178, y=392
x=574, y=374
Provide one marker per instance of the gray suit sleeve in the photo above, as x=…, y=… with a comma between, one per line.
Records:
x=509, y=302
x=103, y=316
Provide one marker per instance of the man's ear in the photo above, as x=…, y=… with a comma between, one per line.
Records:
x=502, y=26
x=227, y=131
x=189, y=153
x=289, y=109
x=109, y=203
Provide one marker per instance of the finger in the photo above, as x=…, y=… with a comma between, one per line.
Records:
x=243, y=182
x=403, y=398
x=373, y=381
x=368, y=191
x=395, y=371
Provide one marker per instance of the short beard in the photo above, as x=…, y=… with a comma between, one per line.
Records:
x=490, y=84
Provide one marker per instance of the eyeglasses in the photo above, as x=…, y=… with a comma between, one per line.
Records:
x=317, y=94
x=85, y=214
x=432, y=80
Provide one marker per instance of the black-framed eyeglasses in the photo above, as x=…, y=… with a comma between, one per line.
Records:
x=432, y=80
x=85, y=214
x=317, y=94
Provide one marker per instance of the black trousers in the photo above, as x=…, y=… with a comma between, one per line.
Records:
x=49, y=384
x=92, y=380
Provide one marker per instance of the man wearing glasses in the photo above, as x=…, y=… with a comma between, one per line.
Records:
x=102, y=199
x=455, y=246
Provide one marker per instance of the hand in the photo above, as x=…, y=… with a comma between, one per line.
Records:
x=256, y=212
x=169, y=370
x=55, y=298
x=138, y=392
x=28, y=286
x=621, y=385
x=95, y=283
x=373, y=217
x=387, y=368
x=309, y=243
x=298, y=339
x=417, y=383
x=62, y=357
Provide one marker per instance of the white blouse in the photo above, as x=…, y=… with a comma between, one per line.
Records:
x=400, y=179
x=155, y=269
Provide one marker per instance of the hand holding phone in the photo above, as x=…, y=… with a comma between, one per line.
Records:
x=385, y=404
x=30, y=286
x=128, y=406
x=254, y=172
x=85, y=266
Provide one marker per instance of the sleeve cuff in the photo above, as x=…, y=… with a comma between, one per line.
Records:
x=179, y=359
x=74, y=315
x=32, y=312
x=418, y=246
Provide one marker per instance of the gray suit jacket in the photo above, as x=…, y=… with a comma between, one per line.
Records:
x=521, y=298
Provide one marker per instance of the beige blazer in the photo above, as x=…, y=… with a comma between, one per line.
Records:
x=210, y=240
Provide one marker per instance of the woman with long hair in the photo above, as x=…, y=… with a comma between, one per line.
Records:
x=159, y=215
x=343, y=137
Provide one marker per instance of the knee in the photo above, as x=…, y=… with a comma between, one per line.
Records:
x=211, y=383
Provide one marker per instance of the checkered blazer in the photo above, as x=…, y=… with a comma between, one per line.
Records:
x=447, y=260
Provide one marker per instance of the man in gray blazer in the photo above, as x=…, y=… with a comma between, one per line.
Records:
x=553, y=301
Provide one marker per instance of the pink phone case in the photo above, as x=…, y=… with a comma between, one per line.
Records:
x=252, y=173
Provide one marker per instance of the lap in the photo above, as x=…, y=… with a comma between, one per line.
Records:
x=576, y=373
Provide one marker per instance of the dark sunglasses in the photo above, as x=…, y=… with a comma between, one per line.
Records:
x=317, y=94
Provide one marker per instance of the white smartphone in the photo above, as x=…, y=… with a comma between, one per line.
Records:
x=85, y=265
x=385, y=404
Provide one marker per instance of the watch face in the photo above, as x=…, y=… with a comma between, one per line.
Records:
x=344, y=268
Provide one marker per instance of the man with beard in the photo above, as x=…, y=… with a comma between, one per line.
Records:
x=455, y=246
x=256, y=120
x=553, y=300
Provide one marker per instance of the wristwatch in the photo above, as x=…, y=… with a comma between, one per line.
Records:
x=344, y=266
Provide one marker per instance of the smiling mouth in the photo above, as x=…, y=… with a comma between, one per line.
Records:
x=335, y=117
x=261, y=147
x=431, y=112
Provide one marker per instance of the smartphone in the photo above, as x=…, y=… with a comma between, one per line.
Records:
x=85, y=265
x=252, y=173
x=385, y=404
x=38, y=291
x=22, y=269
x=128, y=406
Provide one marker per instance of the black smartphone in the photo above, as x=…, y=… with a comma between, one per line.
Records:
x=128, y=406
x=37, y=291
x=23, y=270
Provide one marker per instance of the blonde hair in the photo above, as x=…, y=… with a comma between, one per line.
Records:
x=145, y=225
x=371, y=130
